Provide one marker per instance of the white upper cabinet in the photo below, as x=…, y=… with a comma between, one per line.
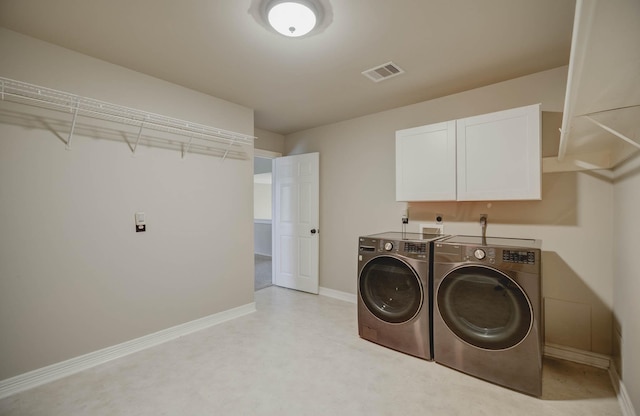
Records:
x=426, y=163
x=489, y=157
x=499, y=155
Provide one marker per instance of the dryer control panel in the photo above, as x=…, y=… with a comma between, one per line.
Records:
x=480, y=253
x=507, y=258
x=492, y=255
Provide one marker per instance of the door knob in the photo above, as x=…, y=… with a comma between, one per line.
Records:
x=313, y=231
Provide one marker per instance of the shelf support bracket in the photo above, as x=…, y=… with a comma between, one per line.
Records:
x=73, y=124
x=226, y=152
x=186, y=150
x=614, y=132
x=135, y=146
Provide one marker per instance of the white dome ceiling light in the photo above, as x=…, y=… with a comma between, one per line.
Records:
x=293, y=18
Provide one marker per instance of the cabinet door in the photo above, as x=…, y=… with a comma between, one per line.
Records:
x=499, y=155
x=426, y=163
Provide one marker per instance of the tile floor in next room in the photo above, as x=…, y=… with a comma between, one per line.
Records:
x=300, y=354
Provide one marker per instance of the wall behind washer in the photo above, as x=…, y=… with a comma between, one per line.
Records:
x=357, y=197
x=74, y=276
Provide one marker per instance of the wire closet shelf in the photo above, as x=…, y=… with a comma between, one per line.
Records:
x=186, y=136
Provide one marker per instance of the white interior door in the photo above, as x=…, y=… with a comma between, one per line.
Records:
x=296, y=187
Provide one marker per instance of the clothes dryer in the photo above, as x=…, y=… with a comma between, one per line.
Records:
x=394, y=286
x=487, y=318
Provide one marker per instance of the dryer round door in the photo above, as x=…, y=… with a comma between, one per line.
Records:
x=484, y=307
x=391, y=289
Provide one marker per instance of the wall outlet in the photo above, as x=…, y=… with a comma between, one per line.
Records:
x=141, y=225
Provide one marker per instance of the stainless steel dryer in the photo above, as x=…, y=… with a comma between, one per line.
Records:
x=487, y=309
x=394, y=291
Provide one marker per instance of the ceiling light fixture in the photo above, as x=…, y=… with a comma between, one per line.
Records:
x=292, y=18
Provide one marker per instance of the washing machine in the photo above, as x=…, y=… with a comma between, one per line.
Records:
x=394, y=307
x=487, y=309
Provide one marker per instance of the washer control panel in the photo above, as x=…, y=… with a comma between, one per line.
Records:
x=416, y=249
x=517, y=256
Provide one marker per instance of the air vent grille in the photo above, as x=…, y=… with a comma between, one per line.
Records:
x=382, y=72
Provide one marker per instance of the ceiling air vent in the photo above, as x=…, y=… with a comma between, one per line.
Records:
x=382, y=72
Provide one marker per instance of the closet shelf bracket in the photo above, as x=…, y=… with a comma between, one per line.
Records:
x=614, y=132
x=73, y=124
x=135, y=146
x=226, y=152
x=186, y=150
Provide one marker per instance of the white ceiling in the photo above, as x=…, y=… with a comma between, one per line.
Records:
x=217, y=47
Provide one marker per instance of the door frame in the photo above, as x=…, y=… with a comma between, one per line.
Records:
x=267, y=154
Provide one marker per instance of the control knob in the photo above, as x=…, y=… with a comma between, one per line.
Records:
x=479, y=254
x=388, y=246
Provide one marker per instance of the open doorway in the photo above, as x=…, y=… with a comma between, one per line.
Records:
x=262, y=218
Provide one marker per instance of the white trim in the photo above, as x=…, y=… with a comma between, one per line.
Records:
x=62, y=369
x=261, y=221
x=595, y=360
x=578, y=356
x=336, y=294
x=621, y=392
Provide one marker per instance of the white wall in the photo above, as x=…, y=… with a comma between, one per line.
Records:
x=627, y=275
x=267, y=140
x=262, y=201
x=74, y=276
x=357, y=194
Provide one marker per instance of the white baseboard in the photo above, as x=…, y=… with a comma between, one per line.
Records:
x=621, y=392
x=578, y=356
x=595, y=360
x=56, y=371
x=336, y=294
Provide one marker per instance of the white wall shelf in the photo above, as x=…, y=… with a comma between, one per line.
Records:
x=154, y=129
x=601, y=118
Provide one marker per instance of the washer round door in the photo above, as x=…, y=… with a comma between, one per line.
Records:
x=391, y=289
x=484, y=307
